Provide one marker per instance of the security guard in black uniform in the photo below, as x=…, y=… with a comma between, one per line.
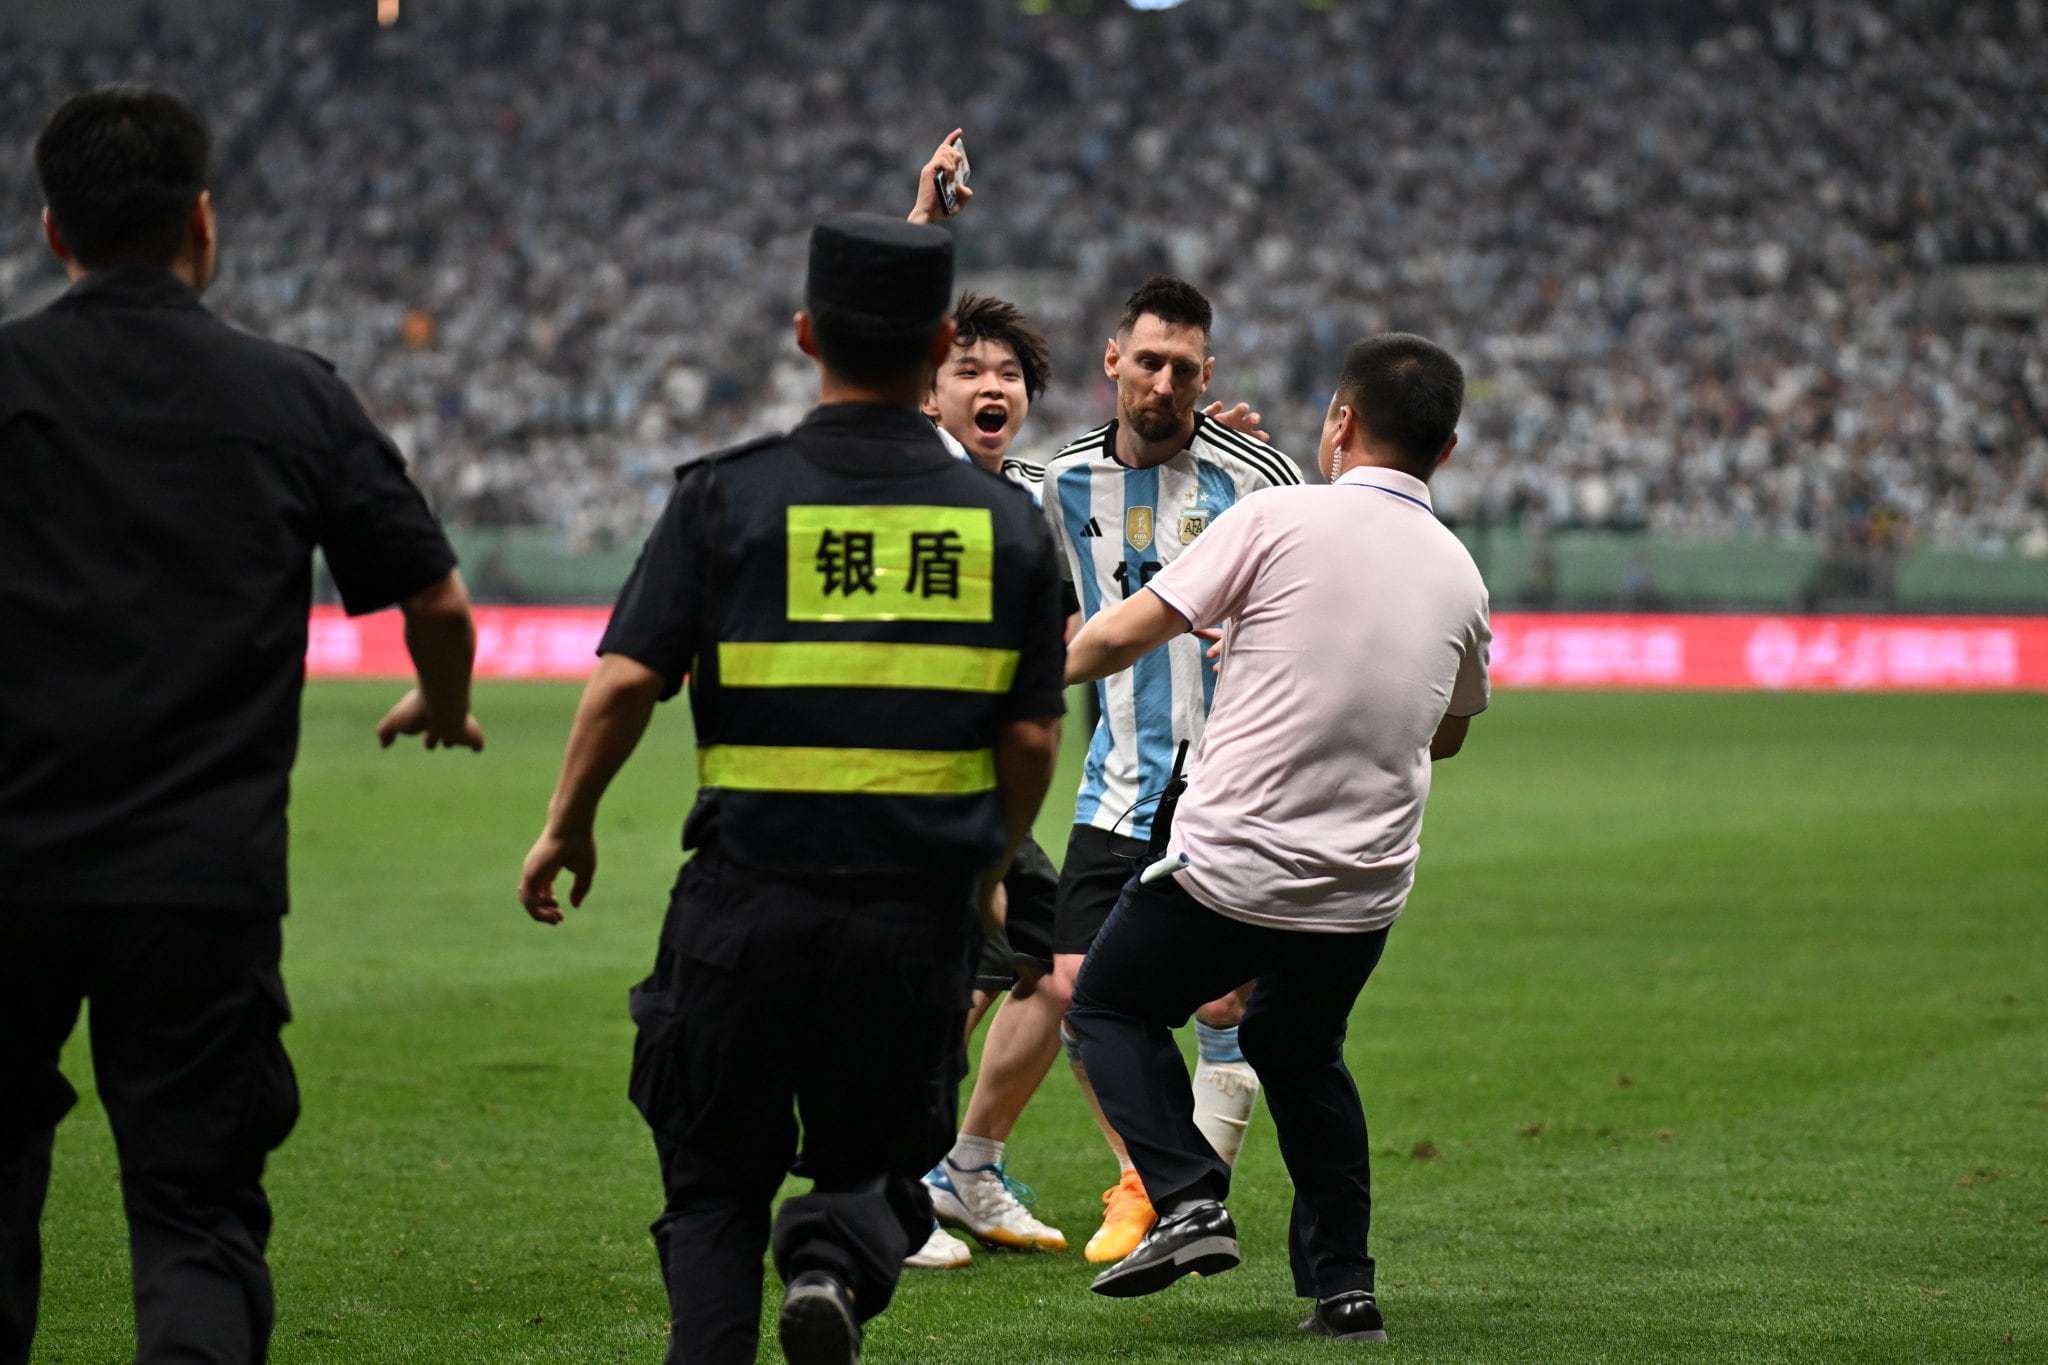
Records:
x=164, y=480
x=871, y=631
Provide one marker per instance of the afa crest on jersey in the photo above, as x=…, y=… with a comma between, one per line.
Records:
x=1192, y=524
x=1138, y=527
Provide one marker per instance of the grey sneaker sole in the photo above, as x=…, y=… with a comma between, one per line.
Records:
x=817, y=1328
x=1209, y=1256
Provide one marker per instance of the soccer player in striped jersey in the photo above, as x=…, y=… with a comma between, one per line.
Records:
x=1123, y=501
x=979, y=400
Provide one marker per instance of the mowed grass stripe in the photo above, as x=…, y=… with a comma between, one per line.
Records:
x=1722, y=1016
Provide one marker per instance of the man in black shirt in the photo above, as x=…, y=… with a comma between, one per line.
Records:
x=164, y=480
x=872, y=635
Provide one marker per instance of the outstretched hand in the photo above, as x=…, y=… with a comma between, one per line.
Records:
x=1240, y=419
x=410, y=716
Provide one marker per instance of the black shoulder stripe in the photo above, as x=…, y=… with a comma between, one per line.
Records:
x=1238, y=440
x=1279, y=467
x=1287, y=473
x=1233, y=439
x=1093, y=442
x=1276, y=465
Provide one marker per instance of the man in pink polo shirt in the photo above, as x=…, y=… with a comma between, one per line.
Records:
x=1354, y=654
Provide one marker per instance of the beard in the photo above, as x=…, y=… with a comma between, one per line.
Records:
x=1155, y=423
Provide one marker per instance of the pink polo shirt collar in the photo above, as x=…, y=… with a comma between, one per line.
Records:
x=1386, y=480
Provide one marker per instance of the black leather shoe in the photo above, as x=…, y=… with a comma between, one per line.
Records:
x=817, y=1325
x=1198, y=1239
x=1347, y=1317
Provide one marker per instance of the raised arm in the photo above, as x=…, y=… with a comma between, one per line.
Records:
x=613, y=714
x=947, y=159
x=1113, y=640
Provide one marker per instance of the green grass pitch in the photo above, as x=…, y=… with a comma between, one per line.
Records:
x=1717, y=1029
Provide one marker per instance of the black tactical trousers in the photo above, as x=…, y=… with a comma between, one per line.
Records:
x=837, y=1005
x=187, y=1006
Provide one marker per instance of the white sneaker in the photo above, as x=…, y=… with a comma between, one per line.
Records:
x=941, y=1251
x=988, y=1205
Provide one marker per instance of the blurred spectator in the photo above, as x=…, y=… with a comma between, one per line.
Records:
x=1684, y=246
x=1639, y=591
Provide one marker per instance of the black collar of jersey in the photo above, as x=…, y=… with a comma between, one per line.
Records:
x=849, y=432
x=130, y=286
x=1109, y=442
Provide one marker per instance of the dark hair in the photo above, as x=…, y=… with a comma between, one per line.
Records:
x=1407, y=392
x=981, y=318
x=1170, y=300
x=120, y=168
x=870, y=351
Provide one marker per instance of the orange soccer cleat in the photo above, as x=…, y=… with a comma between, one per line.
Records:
x=1125, y=1221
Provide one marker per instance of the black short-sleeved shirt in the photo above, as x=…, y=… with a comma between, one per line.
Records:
x=163, y=481
x=735, y=572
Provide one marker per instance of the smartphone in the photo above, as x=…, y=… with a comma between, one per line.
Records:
x=949, y=186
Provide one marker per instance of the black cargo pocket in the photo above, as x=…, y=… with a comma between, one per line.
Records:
x=703, y=939
x=655, y=1086
x=273, y=1093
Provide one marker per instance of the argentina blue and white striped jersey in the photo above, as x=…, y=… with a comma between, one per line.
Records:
x=1026, y=475
x=1116, y=527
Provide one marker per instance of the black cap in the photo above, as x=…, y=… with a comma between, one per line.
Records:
x=892, y=275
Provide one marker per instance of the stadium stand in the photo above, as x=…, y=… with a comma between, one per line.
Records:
x=1702, y=257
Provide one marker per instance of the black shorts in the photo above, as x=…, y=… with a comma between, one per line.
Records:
x=1027, y=936
x=1098, y=864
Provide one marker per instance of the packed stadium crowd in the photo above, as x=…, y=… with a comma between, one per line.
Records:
x=1687, y=249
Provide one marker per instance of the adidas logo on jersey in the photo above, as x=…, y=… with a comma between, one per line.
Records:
x=1091, y=529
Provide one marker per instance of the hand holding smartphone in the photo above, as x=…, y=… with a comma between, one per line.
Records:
x=948, y=185
x=942, y=182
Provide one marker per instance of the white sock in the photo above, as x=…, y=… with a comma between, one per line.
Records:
x=1225, y=1093
x=974, y=1153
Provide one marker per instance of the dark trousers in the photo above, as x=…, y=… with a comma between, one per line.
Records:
x=839, y=1004
x=186, y=1010
x=1162, y=955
